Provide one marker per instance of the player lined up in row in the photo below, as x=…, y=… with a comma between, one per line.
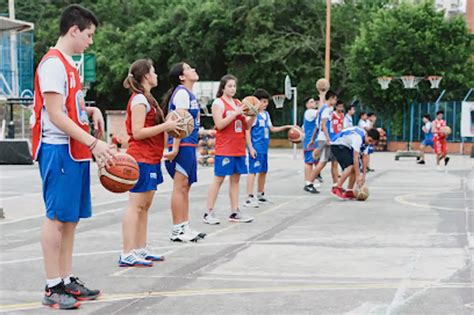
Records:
x=63, y=146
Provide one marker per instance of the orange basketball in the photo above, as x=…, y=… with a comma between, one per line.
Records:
x=250, y=105
x=210, y=161
x=295, y=134
x=122, y=176
x=186, y=123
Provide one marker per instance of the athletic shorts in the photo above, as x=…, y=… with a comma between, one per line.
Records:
x=428, y=142
x=343, y=155
x=326, y=154
x=440, y=146
x=229, y=165
x=259, y=164
x=66, y=184
x=185, y=162
x=308, y=157
x=150, y=177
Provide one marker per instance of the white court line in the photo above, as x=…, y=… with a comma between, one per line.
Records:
x=402, y=199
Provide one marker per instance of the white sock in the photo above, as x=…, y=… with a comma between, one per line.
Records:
x=184, y=223
x=260, y=194
x=307, y=182
x=52, y=282
x=67, y=280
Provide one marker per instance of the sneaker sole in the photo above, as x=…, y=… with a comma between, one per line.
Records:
x=210, y=223
x=88, y=298
x=338, y=197
x=311, y=192
x=136, y=266
x=194, y=240
x=57, y=306
x=239, y=221
x=161, y=258
x=248, y=206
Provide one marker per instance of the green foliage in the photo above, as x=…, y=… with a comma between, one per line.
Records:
x=262, y=41
x=410, y=40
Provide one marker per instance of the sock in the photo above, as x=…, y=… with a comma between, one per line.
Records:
x=177, y=227
x=307, y=182
x=67, y=280
x=184, y=223
x=260, y=194
x=52, y=282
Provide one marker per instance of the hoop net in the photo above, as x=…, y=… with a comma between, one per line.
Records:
x=384, y=82
x=278, y=99
x=434, y=80
x=410, y=81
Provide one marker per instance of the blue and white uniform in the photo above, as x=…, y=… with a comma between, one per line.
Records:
x=185, y=161
x=428, y=140
x=325, y=112
x=345, y=143
x=260, y=134
x=309, y=125
x=348, y=121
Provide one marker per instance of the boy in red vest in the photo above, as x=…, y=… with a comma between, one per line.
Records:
x=63, y=146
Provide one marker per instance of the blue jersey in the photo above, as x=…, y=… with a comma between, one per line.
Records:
x=329, y=126
x=352, y=137
x=194, y=109
x=260, y=132
x=309, y=124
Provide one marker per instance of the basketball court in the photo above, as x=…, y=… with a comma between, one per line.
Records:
x=408, y=249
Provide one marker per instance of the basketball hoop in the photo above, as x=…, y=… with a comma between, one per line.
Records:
x=410, y=81
x=435, y=80
x=279, y=99
x=384, y=82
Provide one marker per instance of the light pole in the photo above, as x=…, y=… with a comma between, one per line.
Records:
x=409, y=82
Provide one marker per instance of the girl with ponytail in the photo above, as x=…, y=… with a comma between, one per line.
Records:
x=181, y=159
x=146, y=127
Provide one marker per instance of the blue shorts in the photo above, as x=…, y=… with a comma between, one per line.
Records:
x=150, y=177
x=229, y=165
x=185, y=162
x=259, y=164
x=308, y=157
x=428, y=142
x=66, y=184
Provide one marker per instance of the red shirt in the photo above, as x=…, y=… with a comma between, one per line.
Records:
x=438, y=124
x=337, y=122
x=75, y=107
x=149, y=150
x=230, y=141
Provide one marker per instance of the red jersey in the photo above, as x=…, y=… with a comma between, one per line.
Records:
x=75, y=108
x=438, y=124
x=337, y=122
x=149, y=150
x=230, y=141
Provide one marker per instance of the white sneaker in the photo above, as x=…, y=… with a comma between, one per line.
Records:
x=132, y=260
x=184, y=235
x=240, y=217
x=251, y=202
x=262, y=199
x=439, y=168
x=190, y=231
x=210, y=218
x=144, y=253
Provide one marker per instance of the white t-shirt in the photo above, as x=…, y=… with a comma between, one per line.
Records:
x=427, y=127
x=363, y=124
x=141, y=99
x=181, y=99
x=348, y=121
x=53, y=78
x=326, y=114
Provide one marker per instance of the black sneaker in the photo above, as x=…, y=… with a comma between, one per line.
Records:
x=446, y=161
x=421, y=162
x=370, y=170
x=78, y=289
x=310, y=188
x=319, y=178
x=418, y=158
x=57, y=297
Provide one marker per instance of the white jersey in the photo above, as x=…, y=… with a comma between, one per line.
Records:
x=53, y=78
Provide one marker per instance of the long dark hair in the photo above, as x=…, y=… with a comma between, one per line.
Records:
x=133, y=82
x=175, y=72
x=223, y=82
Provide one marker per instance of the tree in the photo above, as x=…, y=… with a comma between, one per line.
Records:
x=410, y=40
